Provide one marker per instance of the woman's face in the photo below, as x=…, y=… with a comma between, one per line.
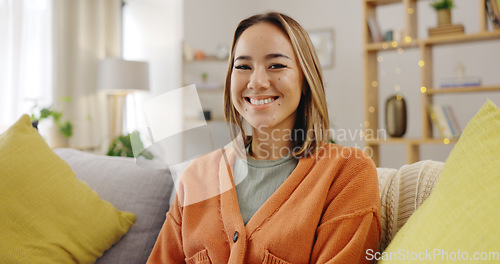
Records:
x=266, y=81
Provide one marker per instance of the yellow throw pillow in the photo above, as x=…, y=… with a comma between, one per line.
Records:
x=47, y=215
x=458, y=223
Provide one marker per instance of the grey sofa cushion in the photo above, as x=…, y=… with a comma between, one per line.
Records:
x=128, y=187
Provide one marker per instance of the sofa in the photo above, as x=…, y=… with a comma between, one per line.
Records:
x=426, y=205
x=120, y=181
x=116, y=179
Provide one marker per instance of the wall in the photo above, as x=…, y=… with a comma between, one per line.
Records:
x=153, y=33
x=209, y=23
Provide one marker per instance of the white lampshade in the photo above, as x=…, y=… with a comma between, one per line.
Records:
x=121, y=76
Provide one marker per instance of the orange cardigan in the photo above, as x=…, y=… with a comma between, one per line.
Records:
x=327, y=211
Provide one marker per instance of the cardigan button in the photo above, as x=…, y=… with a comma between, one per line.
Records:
x=235, y=236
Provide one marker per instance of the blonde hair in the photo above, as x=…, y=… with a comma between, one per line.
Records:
x=312, y=113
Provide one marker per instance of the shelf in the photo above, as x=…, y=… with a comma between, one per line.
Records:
x=391, y=45
x=440, y=40
x=425, y=47
x=468, y=89
x=382, y=2
x=411, y=141
x=462, y=38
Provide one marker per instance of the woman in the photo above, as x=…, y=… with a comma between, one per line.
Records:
x=297, y=199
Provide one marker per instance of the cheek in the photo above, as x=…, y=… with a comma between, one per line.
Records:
x=238, y=84
x=236, y=91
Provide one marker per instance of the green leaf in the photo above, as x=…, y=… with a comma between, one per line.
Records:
x=57, y=116
x=125, y=145
x=45, y=112
x=66, y=99
x=442, y=4
x=66, y=129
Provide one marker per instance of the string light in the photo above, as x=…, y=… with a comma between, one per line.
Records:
x=446, y=141
x=380, y=59
x=408, y=39
x=371, y=109
x=374, y=84
x=367, y=123
x=400, y=51
x=399, y=97
x=410, y=10
x=421, y=63
x=394, y=44
x=397, y=88
x=385, y=46
x=423, y=89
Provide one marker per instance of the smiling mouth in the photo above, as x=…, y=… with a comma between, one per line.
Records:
x=261, y=101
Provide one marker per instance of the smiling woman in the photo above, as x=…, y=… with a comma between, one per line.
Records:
x=266, y=85
x=290, y=197
x=296, y=55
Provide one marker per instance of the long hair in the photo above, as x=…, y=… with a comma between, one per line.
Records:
x=312, y=121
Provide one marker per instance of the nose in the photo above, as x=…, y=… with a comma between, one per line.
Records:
x=259, y=79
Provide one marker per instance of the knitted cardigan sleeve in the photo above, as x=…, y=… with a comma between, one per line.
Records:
x=170, y=235
x=350, y=228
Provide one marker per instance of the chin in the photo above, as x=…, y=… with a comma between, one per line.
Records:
x=257, y=124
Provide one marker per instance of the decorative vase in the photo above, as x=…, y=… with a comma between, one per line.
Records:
x=395, y=116
x=444, y=17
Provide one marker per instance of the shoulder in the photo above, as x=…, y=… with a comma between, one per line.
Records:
x=203, y=166
x=346, y=165
x=210, y=159
x=202, y=179
x=354, y=178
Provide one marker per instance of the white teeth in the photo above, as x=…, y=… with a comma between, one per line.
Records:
x=261, y=102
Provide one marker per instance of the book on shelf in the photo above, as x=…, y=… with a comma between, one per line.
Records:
x=446, y=30
x=375, y=31
x=493, y=12
x=452, y=121
x=444, y=119
x=460, y=82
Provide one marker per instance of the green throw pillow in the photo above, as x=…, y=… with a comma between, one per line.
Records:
x=458, y=223
x=47, y=215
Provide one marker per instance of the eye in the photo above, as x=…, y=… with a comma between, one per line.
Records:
x=242, y=67
x=277, y=66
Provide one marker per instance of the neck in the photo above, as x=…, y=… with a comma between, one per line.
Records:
x=270, y=145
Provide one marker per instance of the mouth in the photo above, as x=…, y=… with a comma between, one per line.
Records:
x=261, y=101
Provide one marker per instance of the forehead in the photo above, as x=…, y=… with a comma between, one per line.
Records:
x=263, y=37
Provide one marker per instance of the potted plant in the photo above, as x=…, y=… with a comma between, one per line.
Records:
x=123, y=146
x=443, y=9
x=65, y=128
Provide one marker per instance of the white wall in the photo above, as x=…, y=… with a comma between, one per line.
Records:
x=208, y=23
x=153, y=33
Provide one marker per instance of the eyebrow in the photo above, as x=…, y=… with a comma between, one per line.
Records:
x=268, y=56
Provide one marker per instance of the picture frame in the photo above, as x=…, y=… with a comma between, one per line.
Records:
x=323, y=42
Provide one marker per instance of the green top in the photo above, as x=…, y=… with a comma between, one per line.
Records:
x=256, y=182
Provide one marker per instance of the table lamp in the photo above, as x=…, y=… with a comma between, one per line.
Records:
x=119, y=78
